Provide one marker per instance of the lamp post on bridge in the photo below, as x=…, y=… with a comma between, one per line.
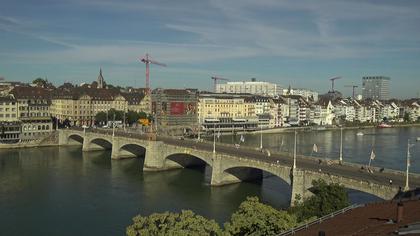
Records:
x=214, y=137
x=113, y=126
x=341, y=145
x=261, y=145
x=294, y=151
x=406, y=188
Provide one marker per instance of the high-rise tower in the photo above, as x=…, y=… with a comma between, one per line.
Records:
x=375, y=87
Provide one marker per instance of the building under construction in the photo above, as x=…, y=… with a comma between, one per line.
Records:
x=175, y=111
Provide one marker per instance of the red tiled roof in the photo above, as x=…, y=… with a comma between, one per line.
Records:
x=372, y=219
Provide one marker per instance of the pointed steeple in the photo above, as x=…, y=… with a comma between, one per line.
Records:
x=101, y=81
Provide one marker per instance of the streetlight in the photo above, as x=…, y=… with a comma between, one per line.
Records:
x=406, y=188
x=214, y=137
x=261, y=146
x=113, y=126
x=341, y=145
x=294, y=151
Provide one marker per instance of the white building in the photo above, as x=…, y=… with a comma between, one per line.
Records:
x=252, y=87
x=308, y=94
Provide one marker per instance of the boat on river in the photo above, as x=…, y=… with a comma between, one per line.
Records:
x=384, y=125
x=360, y=133
x=418, y=139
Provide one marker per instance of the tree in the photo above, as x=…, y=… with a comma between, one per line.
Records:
x=256, y=218
x=40, y=82
x=327, y=198
x=184, y=223
x=132, y=117
x=100, y=117
x=406, y=117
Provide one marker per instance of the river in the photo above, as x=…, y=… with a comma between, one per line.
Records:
x=63, y=191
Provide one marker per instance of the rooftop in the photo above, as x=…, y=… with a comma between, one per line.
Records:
x=372, y=219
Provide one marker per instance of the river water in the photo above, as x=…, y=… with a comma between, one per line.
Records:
x=62, y=191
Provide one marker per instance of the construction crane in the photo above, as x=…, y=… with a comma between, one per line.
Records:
x=215, y=81
x=332, y=82
x=146, y=60
x=351, y=86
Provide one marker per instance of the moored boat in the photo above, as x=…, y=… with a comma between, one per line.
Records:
x=384, y=125
x=360, y=133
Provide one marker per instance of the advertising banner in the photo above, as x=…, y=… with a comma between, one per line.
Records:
x=177, y=108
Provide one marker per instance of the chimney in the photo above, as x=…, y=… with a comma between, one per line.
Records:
x=400, y=212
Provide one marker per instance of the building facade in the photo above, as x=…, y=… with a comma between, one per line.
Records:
x=375, y=87
x=175, y=110
x=33, y=111
x=227, y=112
x=251, y=87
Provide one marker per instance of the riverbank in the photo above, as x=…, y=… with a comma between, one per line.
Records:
x=321, y=128
x=48, y=141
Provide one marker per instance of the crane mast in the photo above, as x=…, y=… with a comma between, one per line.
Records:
x=215, y=81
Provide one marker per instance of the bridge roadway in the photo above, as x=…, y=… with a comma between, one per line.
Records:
x=302, y=162
x=308, y=168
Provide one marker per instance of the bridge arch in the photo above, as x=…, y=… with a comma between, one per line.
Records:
x=131, y=149
x=247, y=171
x=186, y=159
x=99, y=143
x=74, y=139
x=379, y=190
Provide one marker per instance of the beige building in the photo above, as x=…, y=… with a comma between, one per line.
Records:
x=229, y=111
x=138, y=102
x=33, y=111
x=80, y=105
x=8, y=109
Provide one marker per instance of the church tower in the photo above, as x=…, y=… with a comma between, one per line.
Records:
x=101, y=81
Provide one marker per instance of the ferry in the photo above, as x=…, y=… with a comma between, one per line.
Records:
x=360, y=134
x=384, y=125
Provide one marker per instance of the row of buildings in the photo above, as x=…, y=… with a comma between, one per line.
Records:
x=26, y=112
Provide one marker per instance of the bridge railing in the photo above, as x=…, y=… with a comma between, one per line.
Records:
x=319, y=220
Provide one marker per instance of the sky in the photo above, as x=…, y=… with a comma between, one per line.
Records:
x=299, y=43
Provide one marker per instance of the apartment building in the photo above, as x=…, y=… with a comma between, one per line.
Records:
x=33, y=111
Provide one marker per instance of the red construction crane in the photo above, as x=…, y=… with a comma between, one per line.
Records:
x=351, y=86
x=215, y=81
x=146, y=60
x=332, y=82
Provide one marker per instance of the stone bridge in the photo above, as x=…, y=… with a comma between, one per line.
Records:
x=230, y=165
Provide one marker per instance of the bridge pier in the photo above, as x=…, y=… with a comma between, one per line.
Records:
x=155, y=158
x=117, y=153
x=218, y=176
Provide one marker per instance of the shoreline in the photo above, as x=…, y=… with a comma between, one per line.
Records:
x=320, y=128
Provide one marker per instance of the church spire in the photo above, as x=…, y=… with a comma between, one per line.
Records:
x=101, y=81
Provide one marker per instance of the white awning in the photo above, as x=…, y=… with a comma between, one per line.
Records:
x=211, y=120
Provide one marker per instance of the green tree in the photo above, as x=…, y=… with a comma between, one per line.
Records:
x=40, y=82
x=184, y=223
x=119, y=115
x=132, y=117
x=100, y=117
x=406, y=117
x=327, y=198
x=142, y=115
x=256, y=218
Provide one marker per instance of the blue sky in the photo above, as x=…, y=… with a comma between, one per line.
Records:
x=302, y=43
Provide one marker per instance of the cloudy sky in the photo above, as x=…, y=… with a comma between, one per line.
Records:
x=302, y=43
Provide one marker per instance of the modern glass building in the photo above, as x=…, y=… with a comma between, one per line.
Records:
x=375, y=87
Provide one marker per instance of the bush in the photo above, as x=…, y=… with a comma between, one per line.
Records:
x=184, y=223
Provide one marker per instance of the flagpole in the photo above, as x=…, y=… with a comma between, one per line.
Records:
x=406, y=188
x=294, y=152
x=341, y=145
